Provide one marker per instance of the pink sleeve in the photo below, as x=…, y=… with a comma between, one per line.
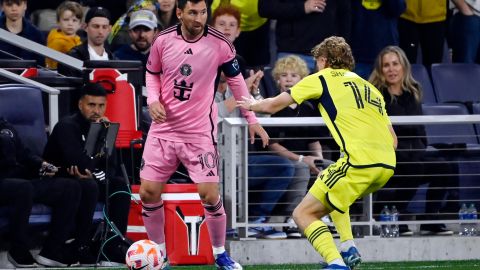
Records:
x=153, y=84
x=239, y=89
x=154, y=63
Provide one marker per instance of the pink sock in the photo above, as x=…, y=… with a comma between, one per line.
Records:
x=216, y=222
x=153, y=215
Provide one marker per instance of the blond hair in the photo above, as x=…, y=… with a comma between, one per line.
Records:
x=292, y=63
x=337, y=52
x=409, y=84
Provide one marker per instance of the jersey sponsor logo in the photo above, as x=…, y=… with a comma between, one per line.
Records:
x=210, y=173
x=189, y=51
x=186, y=70
x=182, y=91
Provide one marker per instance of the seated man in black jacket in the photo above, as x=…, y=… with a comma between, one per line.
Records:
x=66, y=148
x=26, y=179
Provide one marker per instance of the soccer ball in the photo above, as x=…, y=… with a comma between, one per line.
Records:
x=145, y=255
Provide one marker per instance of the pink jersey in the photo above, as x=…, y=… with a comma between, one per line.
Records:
x=187, y=72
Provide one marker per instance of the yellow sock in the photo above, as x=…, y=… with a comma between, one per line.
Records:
x=342, y=224
x=322, y=241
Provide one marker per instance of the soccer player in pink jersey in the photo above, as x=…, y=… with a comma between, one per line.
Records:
x=182, y=69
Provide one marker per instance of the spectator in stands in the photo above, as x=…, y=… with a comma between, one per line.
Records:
x=253, y=43
x=295, y=18
x=227, y=19
x=13, y=20
x=423, y=24
x=268, y=175
x=264, y=182
x=296, y=143
x=97, y=27
x=143, y=28
x=65, y=147
x=166, y=13
x=403, y=96
x=465, y=31
x=374, y=26
x=64, y=38
x=26, y=179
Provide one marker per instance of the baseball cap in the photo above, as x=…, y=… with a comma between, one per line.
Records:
x=143, y=17
x=97, y=12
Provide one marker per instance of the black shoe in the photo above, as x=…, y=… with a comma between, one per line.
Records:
x=86, y=257
x=434, y=229
x=51, y=258
x=114, y=255
x=21, y=258
x=293, y=232
x=403, y=230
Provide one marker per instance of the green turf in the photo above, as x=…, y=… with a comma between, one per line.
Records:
x=444, y=265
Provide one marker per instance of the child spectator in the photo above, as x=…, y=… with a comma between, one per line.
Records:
x=64, y=38
x=13, y=20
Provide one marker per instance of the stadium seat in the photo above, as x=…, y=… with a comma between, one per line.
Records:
x=457, y=82
x=420, y=74
x=459, y=134
x=460, y=146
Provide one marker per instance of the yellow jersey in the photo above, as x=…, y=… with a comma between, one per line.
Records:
x=354, y=111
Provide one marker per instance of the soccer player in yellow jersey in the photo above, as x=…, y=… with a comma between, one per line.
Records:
x=354, y=111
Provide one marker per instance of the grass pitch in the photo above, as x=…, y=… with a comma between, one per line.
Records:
x=444, y=265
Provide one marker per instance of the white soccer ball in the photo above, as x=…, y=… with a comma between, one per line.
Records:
x=145, y=255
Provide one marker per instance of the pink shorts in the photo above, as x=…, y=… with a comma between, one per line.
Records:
x=161, y=159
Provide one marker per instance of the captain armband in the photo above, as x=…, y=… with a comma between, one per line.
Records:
x=231, y=68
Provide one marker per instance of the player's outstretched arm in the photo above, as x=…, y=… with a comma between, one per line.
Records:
x=269, y=105
x=258, y=129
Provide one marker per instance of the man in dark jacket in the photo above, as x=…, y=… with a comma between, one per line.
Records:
x=98, y=27
x=26, y=179
x=66, y=147
x=302, y=24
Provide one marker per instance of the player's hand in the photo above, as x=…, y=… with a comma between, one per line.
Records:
x=74, y=171
x=157, y=112
x=315, y=6
x=258, y=129
x=246, y=103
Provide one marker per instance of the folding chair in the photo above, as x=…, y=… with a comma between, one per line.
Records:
x=121, y=108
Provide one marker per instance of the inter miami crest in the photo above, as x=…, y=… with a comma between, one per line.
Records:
x=186, y=70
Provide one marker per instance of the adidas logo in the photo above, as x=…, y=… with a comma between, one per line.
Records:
x=189, y=51
x=211, y=173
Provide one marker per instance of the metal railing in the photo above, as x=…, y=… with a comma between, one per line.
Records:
x=233, y=146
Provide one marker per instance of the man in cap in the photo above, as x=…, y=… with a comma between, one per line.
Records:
x=142, y=29
x=98, y=27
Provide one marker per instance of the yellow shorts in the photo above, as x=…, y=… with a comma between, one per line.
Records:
x=341, y=184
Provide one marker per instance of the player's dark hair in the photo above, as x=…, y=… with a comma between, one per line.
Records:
x=93, y=89
x=182, y=3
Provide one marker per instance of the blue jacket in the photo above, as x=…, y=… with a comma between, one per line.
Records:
x=30, y=32
x=374, y=28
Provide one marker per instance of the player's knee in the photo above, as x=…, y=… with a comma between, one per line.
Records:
x=149, y=194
